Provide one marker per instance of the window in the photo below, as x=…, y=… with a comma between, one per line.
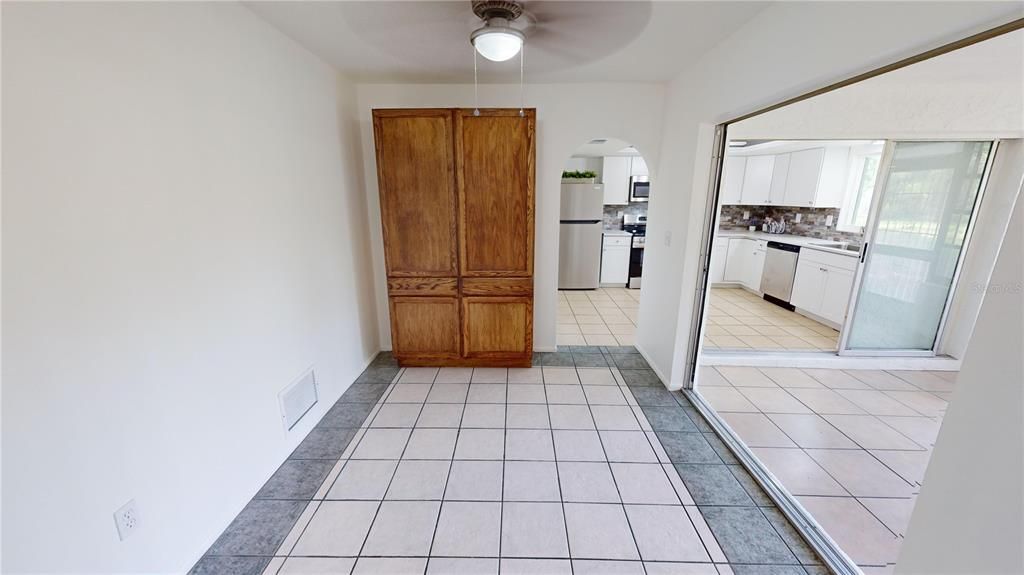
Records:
x=860, y=188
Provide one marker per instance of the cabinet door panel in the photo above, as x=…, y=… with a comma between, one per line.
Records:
x=495, y=167
x=838, y=285
x=415, y=172
x=732, y=180
x=739, y=259
x=615, y=265
x=780, y=173
x=802, y=180
x=497, y=326
x=718, y=257
x=756, y=269
x=615, y=175
x=808, y=287
x=425, y=327
x=757, y=180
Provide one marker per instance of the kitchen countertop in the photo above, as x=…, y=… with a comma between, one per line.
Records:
x=802, y=241
x=617, y=233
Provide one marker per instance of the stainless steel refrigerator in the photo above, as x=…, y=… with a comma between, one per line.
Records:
x=579, y=249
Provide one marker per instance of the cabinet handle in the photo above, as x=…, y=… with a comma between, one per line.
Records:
x=823, y=269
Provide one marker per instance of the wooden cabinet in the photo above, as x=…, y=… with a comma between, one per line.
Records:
x=457, y=213
x=615, y=175
x=732, y=180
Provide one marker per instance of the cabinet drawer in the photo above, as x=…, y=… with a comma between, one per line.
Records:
x=497, y=286
x=617, y=241
x=423, y=286
x=832, y=260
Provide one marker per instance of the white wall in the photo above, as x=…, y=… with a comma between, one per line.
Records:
x=827, y=41
x=568, y=116
x=183, y=235
x=969, y=517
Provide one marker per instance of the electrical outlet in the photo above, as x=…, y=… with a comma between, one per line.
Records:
x=828, y=221
x=127, y=520
x=798, y=217
x=668, y=238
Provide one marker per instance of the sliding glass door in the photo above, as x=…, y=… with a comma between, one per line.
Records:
x=919, y=224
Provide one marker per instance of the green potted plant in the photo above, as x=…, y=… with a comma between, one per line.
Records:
x=578, y=177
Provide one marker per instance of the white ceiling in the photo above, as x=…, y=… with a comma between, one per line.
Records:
x=567, y=41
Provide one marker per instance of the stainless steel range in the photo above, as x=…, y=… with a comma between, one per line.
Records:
x=636, y=225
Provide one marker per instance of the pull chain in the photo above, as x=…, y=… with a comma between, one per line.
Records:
x=522, y=90
x=476, y=88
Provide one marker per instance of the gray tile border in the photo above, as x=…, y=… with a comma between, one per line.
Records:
x=639, y=377
x=591, y=360
x=346, y=414
x=712, y=485
x=671, y=418
x=629, y=361
x=785, y=529
x=228, y=565
x=259, y=529
x=655, y=397
x=378, y=374
x=296, y=479
x=683, y=447
x=720, y=448
x=324, y=443
x=364, y=392
x=749, y=485
x=745, y=536
x=553, y=359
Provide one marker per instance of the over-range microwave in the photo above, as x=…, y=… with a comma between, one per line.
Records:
x=639, y=189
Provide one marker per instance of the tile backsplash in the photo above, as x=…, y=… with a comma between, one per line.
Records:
x=812, y=221
x=612, y=219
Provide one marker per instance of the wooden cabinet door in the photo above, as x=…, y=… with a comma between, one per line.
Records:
x=497, y=327
x=425, y=330
x=415, y=175
x=494, y=159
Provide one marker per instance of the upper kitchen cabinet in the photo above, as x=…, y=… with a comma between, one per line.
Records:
x=615, y=175
x=416, y=177
x=731, y=190
x=494, y=159
x=757, y=180
x=638, y=167
x=817, y=177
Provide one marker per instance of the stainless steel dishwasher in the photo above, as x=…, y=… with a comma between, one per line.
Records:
x=779, y=271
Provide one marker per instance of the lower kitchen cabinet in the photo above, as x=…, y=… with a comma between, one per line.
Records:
x=823, y=284
x=615, y=260
x=744, y=262
x=497, y=327
x=719, y=255
x=425, y=328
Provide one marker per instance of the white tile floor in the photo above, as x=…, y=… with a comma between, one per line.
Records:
x=540, y=470
x=741, y=321
x=605, y=316
x=851, y=445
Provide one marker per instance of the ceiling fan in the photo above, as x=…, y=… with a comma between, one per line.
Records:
x=497, y=40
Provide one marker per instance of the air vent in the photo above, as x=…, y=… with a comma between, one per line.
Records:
x=297, y=399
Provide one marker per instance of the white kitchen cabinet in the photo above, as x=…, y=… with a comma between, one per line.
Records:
x=739, y=259
x=817, y=177
x=638, y=167
x=719, y=255
x=616, y=173
x=732, y=180
x=780, y=175
x=615, y=260
x=838, y=285
x=808, y=286
x=753, y=281
x=757, y=180
x=823, y=284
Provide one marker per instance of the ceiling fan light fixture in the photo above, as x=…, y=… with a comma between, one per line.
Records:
x=497, y=41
